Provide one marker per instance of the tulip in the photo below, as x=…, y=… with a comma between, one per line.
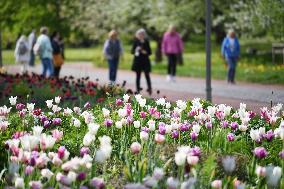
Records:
x=230, y=137
x=192, y=160
x=208, y=125
x=180, y=158
x=172, y=183
x=19, y=183
x=13, y=100
x=260, y=152
x=269, y=135
x=195, y=151
x=144, y=136
x=20, y=106
x=61, y=152
x=108, y=122
x=234, y=125
x=97, y=183
x=175, y=134
x=143, y=115
x=281, y=154
x=158, y=173
x=229, y=164
x=84, y=150
x=216, y=184
x=193, y=136
x=135, y=147
x=118, y=102
x=28, y=170
x=260, y=171
x=81, y=176
x=56, y=121
x=159, y=138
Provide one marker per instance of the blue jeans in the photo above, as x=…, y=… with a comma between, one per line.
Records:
x=47, y=66
x=232, y=64
x=113, y=64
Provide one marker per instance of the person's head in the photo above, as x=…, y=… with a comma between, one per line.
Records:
x=55, y=35
x=44, y=30
x=22, y=38
x=172, y=29
x=112, y=34
x=140, y=34
x=231, y=33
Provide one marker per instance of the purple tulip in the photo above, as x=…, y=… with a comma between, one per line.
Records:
x=108, y=122
x=84, y=150
x=281, y=154
x=209, y=125
x=28, y=170
x=61, y=152
x=118, y=102
x=193, y=136
x=175, y=134
x=195, y=151
x=260, y=152
x=224, y=124
x=65, y=180
x=22, y=113
x=143, y=115
x=43, y=118
x=46, y=123
x=87, y=105
x=20, y=106
x=234, y=125
x=56, y=121
x=145, y=129
x=97, y=183
x=83, y=187
x=269, y=135
x=230, y=137
x=184, y=127
x=162, y=130
x=81, y=176
x=130, y=120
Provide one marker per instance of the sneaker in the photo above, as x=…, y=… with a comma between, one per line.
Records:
x=169, y=78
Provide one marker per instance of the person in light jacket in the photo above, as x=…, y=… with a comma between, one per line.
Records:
x=141, y=50
x=44, y=49
x=230, y=51
x=172, y=47
x=112, y=51
x=22, y=53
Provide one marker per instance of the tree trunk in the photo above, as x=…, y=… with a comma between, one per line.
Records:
x=158, y=51
x=1, y=63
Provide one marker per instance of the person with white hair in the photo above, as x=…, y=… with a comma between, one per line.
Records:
x=141, y=50
x=172, y=47
x=22, y=53
x=112, y=51
x=230, y=51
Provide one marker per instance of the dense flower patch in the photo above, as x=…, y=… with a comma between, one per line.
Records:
x=37, y=89
x=133, y=142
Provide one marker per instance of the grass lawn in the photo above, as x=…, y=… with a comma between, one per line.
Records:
x=251, y=68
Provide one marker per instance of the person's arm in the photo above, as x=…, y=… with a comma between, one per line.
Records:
x=133, y=47
x=223, y=48
x=164, y=44
x=180, y=44
x=238, y=48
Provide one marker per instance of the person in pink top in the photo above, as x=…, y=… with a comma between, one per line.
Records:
x=172, y=47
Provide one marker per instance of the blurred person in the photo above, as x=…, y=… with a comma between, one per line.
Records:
x=141, y=50
x=22, y=53
x=44, y=49
x=57, y=53
x=230, y=51
x=32, y=41
x=112, y=51
x=172, y=47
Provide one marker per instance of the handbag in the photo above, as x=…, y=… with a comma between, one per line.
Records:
x=57, y=60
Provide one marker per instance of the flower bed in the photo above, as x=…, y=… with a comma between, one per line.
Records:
x=133, y=142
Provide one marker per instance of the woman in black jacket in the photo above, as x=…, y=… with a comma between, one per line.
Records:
x=141, y=50
x=57, y=53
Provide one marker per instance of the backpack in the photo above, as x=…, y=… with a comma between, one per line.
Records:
x=23, y=49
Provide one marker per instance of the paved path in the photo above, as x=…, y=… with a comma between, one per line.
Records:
x=254, y=95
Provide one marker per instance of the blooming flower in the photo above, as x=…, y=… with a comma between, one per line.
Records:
x=49, y=103
x=57, y=99
x=260, y=152
x=192, y=160
x=13, y=100
x=229, y=164
x=135, y=147
x=230, y=137
x=216, y=184
x=19, y=182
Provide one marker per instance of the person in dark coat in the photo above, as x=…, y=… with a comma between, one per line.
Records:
x=57, y=53
x=141, y=63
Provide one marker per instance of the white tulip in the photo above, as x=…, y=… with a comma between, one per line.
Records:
x=49, y=103
x=136, y=124
x=93, y=128
x=126, y=97
x=142, y=102
x=46, y=173
x=181, y=104
x=30, y=106
x=57, y=99
x=76, y=122
x=19, y=182
x=13, y=100
x=180, y=158
x=118, y=124
x=88, y=139
x=106, y=112
x=151, y=124
x=161, y=101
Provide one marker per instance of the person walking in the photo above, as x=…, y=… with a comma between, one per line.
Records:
x=141, y=50
x=44, y=49
x=172, y=47
x=230, y=51
x=57, y=53
x=112, y=51
x=32, y=41
x=22, y=53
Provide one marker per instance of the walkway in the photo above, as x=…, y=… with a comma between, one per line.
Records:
x=254, y=95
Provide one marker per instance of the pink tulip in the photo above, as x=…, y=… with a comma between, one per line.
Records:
x=159, y=138
x=135, y=148
x=216, y=184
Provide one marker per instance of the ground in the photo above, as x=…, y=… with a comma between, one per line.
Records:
x=185, y=88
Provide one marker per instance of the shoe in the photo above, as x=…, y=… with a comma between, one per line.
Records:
x=169, y=78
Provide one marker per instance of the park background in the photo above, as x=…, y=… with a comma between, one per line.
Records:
x=84, y=26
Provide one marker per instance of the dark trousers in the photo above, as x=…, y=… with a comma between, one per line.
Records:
x=138, y=78
x=113, y=64
x=56, y=71
x=232, y=63
x=172, y=64
x=32, y=58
